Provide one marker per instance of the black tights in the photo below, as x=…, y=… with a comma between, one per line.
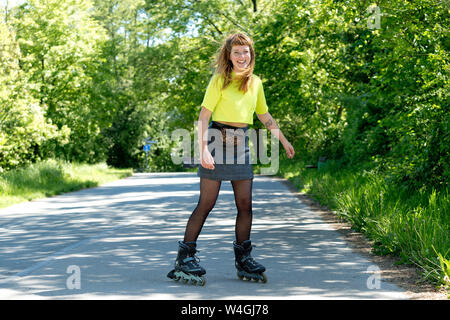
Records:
x=209, y=191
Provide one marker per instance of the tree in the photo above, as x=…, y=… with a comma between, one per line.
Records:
x=60, y=43
x=23, y=126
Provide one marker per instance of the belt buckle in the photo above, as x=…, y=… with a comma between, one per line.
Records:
x=232, y=138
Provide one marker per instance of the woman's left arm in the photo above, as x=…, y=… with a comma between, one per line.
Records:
x=270, y=123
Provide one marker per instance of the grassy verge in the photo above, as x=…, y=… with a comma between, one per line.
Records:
x=413, y=226
x=53, y=177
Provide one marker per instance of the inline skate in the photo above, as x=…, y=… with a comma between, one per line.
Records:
x=246, y=266
x=186, y=265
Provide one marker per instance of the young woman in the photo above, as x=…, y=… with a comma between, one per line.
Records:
x=234, y=93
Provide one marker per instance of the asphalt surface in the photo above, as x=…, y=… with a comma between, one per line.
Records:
x=119, y=241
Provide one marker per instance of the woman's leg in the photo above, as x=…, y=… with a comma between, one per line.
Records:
x=243, y=199
x=209, y=191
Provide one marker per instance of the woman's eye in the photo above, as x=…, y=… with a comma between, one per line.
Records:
x=238, y=53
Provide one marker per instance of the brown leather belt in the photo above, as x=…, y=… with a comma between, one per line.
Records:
x=230, y=135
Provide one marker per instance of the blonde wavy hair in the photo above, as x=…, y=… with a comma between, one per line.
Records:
x=223, y=63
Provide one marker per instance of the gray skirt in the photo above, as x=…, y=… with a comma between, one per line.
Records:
x=229, y=147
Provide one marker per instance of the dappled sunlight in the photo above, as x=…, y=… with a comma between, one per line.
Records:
x=123, y=237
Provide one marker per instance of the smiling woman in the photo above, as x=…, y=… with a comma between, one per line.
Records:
x=240, y=57
x=237, y=55
x=232, y=97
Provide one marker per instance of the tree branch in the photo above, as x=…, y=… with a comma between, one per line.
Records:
x=212, y=23
x=234, y=22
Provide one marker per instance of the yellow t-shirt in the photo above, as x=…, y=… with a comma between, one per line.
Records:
x=231, y=104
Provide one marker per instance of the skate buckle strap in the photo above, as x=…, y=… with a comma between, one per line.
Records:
x=247, y=258
x=192, y=258
x=251, y=261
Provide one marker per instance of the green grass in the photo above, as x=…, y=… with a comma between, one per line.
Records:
x=53, y=177
x=414, y=226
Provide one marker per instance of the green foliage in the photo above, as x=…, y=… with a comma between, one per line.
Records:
x=414, y=227
x=51, y=177
x=59, y=44
x=23, y=125
x=106, y=75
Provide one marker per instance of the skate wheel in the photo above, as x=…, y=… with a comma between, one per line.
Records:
x=202, y=281
x=172, y=275
x=264, y=279
x=239, y=276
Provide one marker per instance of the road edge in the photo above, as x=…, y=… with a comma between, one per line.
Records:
x=406, y=277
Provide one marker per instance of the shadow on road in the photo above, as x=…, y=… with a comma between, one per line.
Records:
x=123, y=237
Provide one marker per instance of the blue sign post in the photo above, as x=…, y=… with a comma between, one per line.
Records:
x=147, y=147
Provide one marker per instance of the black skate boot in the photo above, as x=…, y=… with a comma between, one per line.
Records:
x=186, y=265
x=246, y=266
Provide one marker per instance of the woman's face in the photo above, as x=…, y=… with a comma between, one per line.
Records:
x=240, y=57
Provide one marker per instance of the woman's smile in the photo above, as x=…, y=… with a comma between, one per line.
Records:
x=240, y=57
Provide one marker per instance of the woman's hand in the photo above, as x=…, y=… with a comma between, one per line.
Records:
x=290, y=152
x=207, y=159
x=269, y=123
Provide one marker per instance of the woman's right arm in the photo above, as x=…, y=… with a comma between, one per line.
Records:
x=206, y=158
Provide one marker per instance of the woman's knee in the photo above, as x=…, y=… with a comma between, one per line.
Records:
x=205, y=206
x=244, y=205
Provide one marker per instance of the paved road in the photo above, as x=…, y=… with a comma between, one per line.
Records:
x=120, y=240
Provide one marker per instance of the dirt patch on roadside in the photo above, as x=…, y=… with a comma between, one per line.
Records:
x=405, y=276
